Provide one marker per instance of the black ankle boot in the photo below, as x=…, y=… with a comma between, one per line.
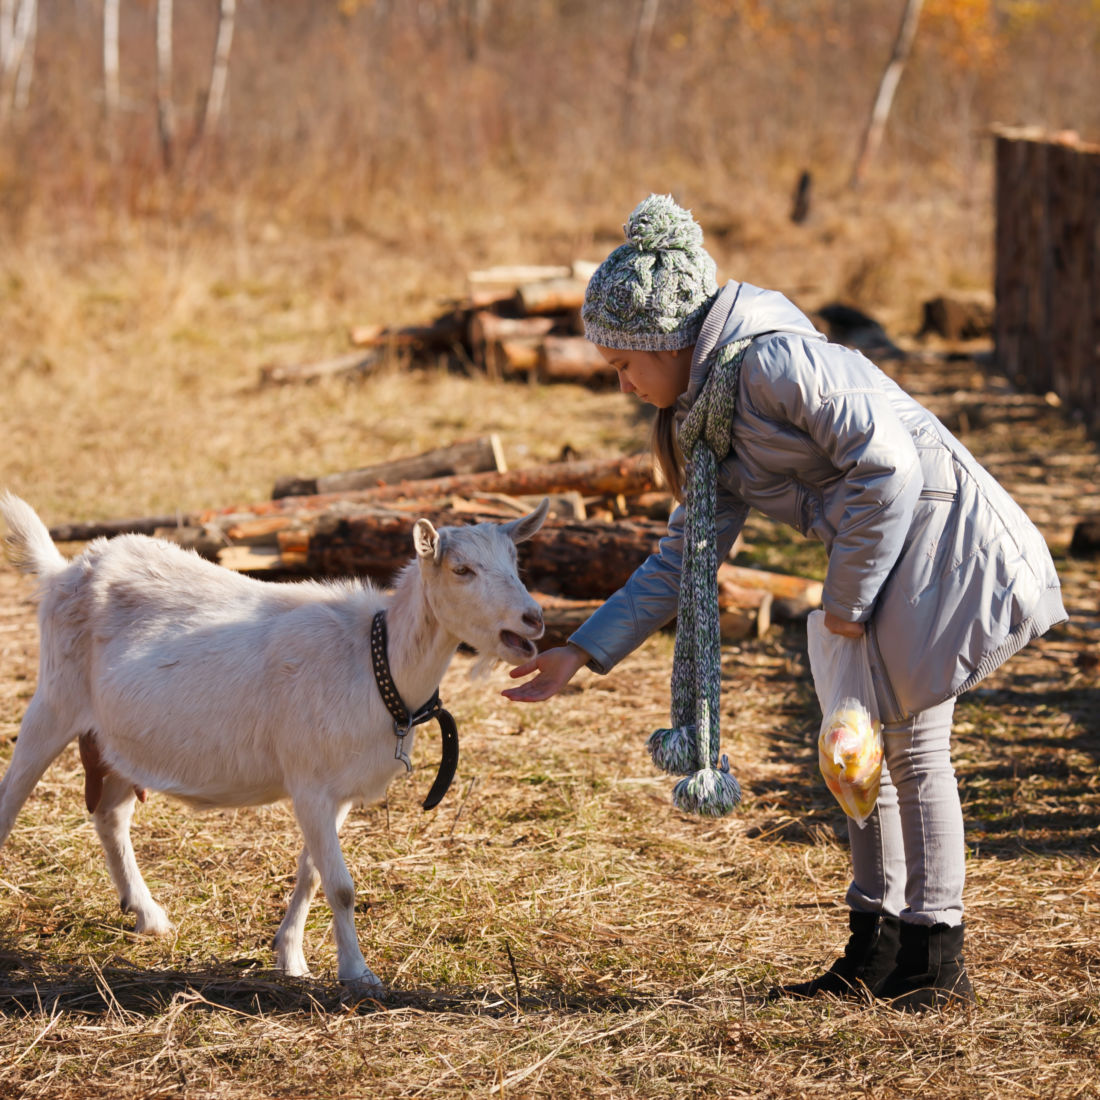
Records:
x=930, y=971
x=870, y=956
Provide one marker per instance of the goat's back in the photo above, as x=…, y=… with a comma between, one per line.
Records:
x=199, y=681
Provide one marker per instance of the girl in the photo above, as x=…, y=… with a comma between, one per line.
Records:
x=928, y=556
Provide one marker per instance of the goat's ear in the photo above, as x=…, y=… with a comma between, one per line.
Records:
x=427, y=540
x=519, y=530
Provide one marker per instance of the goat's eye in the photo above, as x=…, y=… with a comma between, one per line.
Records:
x=462, y=571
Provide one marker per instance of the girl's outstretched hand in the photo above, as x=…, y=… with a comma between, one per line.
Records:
x=555, y=668
x=842, y=626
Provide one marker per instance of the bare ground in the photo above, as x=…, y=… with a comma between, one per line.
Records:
x=556, y=927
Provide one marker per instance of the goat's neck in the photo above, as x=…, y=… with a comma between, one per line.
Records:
x=420, y=649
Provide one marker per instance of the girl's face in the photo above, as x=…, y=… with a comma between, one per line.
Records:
x=657, y=377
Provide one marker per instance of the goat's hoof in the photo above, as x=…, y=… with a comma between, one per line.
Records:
x=368, y=984
x=153, y=922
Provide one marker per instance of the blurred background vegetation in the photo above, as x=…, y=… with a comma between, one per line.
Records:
x=344, y=115
x=368, y=154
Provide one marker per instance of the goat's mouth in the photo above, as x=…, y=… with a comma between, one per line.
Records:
x=518, y=644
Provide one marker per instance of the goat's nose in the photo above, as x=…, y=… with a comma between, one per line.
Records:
x=533, y=619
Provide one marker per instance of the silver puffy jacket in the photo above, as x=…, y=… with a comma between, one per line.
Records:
x=924, y=546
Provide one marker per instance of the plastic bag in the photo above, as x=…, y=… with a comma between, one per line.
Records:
x=849, y=746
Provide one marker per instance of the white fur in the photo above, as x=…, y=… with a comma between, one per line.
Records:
x=222, y=690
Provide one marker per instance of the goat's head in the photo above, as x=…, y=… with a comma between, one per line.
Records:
x=473, y=587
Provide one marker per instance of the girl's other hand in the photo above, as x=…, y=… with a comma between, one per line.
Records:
x=842, y=626
x=555, y=668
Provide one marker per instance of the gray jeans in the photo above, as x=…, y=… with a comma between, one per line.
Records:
x=909, y=858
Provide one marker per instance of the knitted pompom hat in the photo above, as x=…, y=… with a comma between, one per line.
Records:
x=653, y=292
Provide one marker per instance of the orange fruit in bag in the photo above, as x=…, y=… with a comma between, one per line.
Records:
x=849, y=753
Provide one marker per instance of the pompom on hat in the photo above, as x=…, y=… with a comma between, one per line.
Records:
x=654, y=291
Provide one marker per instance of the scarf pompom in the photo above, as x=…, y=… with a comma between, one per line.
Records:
x=673, y=750
x=712, y=792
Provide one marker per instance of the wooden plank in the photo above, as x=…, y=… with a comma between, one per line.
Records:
x=464, y=456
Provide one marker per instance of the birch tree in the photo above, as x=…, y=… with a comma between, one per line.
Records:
x=18, y=27
x=219, y=70
x=639, y=54
x=111, y=90
x=166, y=112
x=28, y=30
x=876, y=125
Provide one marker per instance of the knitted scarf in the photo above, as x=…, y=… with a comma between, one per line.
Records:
x=691, y=746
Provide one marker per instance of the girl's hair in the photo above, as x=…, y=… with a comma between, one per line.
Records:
x=666, y=450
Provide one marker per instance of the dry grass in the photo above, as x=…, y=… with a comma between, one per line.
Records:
x=555, y=927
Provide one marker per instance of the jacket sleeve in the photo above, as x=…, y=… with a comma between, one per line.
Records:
x=649, y=598
x=838, y=398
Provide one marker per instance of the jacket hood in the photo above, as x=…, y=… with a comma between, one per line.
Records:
x=742, y=312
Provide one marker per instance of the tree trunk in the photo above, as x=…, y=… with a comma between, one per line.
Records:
x=639, y=52
x=111, y=90
x=876, y=124
x=468, y=456
x=7, y=34
x=18, y=29
x=166, y=113
x=219, y=70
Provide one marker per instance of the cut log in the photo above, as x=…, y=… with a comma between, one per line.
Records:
x=513, y=358
x=957, y=317
x=504, y=345
x=793, y=597
x=603, y=476
x=516, y=275
x=465, y=456
x=573, y=359
x=577, y=560
x=552, y=296
x=355, y=364
x=109, y=528
x=440, y=335
x=592, y=478
x=1085, y=542
x=742, y=613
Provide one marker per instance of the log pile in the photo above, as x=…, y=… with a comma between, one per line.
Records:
x=606, y=518
x=515, y=323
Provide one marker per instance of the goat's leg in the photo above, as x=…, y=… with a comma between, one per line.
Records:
x=319, y=819
x=42, y=735
x=289, y=955
x=112, y=818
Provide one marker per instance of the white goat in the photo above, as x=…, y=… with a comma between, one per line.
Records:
x=222, y=690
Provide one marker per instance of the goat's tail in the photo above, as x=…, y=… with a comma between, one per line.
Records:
x=30, y=548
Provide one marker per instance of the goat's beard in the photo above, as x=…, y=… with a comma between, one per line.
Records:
x=484, y=664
